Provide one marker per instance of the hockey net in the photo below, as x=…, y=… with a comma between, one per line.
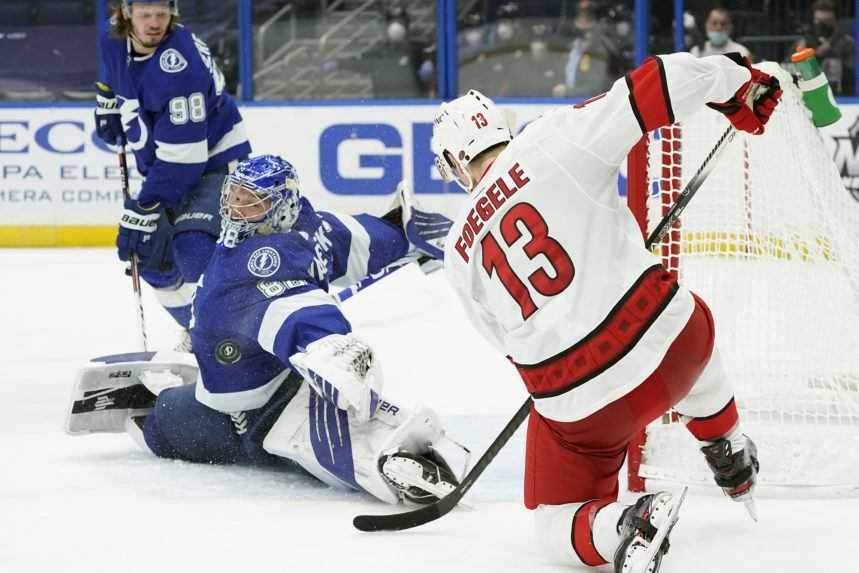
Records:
x=771, y=243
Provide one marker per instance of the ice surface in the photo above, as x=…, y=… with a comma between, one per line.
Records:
x=96, y=504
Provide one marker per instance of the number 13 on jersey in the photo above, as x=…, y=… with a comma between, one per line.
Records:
x=496, y=263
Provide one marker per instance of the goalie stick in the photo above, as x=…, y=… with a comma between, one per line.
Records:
x=423, y=261
x=433, y=511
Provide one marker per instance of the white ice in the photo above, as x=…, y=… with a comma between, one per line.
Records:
x=98, y=504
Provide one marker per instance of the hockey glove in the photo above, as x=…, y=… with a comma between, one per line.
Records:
x=426, y=230
x=341, y=369
x=751, y=116
x=108, y=122
x=136, y=228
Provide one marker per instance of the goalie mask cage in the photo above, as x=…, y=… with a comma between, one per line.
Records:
x=771, y=243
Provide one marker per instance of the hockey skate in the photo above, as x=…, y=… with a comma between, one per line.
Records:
x=644, y=528
x=420, y=479
x=735, y=470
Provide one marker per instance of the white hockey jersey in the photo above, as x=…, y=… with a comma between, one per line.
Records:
x=549, y=262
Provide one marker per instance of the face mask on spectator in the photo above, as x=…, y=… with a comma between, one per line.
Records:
x=396, y=31
x=717, y=38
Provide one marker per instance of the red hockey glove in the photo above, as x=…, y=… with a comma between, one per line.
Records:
x=746, y=117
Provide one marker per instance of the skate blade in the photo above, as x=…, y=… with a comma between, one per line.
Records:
x=656, y=543
x=752, y=508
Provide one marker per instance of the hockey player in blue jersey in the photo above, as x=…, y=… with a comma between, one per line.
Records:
x=279, y=375
x=163, y=96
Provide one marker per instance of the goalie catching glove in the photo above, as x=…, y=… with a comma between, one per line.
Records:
x=425, y=230
x=342, y=370
x=751, y=116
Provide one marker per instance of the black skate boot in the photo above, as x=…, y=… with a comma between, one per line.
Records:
x=648, y=522
x=420, y=479
x=735, y=472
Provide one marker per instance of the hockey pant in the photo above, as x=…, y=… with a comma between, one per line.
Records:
x=183, y=244
x=571, y=468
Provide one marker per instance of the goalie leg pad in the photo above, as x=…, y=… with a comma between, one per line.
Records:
x=134, y=427
x=111, y=388
x=318, y=436
x=331, y=445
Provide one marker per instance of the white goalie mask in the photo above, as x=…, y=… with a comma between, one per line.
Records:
x=462, y=130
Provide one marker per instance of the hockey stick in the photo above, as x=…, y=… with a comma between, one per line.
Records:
x=350, y=291
x=134, y=268
x=431, y=512
x=701, y=174
x=691, y=188
x=132, y=259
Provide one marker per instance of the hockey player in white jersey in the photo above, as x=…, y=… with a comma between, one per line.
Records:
x=278, y=376
x=551, y=268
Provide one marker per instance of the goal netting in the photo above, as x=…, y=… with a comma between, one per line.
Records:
x=771, y=243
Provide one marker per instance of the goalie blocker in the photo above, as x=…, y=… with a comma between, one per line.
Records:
x=398, y=454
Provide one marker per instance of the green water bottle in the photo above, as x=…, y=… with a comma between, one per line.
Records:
x=816, y=92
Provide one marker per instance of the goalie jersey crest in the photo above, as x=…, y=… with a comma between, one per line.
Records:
x=267, y=298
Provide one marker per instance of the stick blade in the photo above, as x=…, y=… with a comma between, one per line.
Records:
x=407, y=519
x=752, y=508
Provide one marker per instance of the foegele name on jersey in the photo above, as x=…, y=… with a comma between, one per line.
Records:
x=487, y=204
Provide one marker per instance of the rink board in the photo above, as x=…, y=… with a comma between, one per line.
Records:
x=60, y=186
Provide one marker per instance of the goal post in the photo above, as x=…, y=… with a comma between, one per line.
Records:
x=771, y=243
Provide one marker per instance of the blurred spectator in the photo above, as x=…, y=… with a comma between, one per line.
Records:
x=511, y=55
x=718, y=28
x=595, y=55
x=834, y=46
x=399, y=66
x=509, y=29
x=692, y=36
x=472, y=36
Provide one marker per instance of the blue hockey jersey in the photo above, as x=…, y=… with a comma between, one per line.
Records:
x=178, y=120
x=267, y=298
